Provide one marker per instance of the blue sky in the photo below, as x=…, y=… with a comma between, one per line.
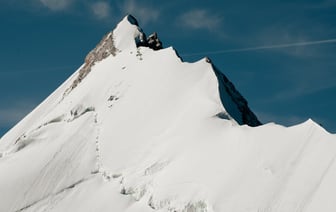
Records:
x=44, y=41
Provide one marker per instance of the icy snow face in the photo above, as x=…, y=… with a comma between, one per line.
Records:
x=146, y=132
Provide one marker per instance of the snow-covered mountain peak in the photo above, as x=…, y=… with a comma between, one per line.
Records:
x=123, y=37
x=128, y=38
x=138, y=130
x=128, y=34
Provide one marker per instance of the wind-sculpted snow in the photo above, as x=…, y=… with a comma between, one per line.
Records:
x=147, y=132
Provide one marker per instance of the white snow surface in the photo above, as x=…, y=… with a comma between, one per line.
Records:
x=140, y=134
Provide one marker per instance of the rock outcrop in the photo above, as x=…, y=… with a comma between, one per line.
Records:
x=104, y=49
x=154, y=42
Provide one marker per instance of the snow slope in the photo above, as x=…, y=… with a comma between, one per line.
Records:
x=143, y=131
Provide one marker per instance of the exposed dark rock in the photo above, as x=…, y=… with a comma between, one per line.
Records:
x=132, y=20
x=234, y=103
x=154, y=42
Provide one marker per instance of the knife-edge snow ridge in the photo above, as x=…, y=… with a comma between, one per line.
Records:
x=235, y=104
